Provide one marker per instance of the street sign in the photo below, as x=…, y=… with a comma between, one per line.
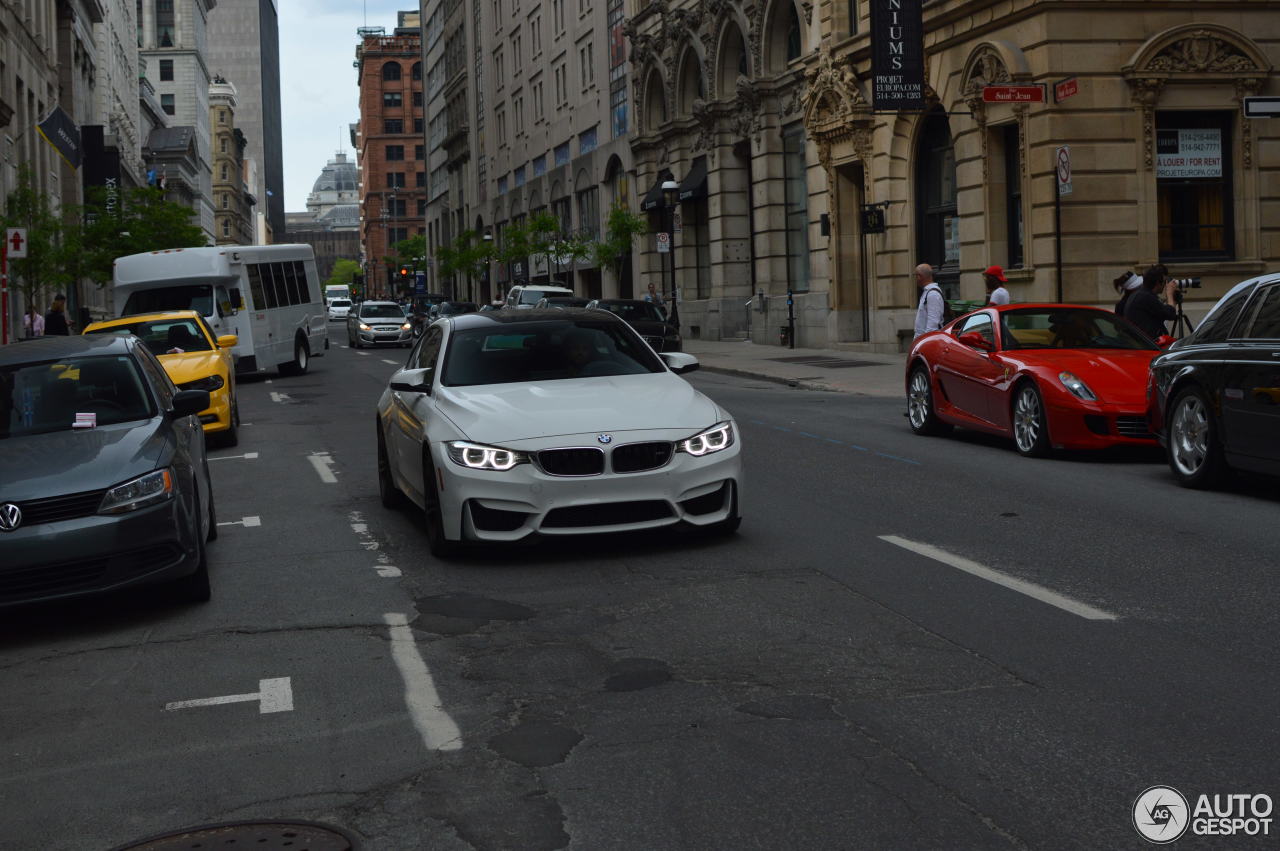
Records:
x=872, y=219
x=664, y=243
x=1062, y=165
x=1262, y=107
x=15, y=239
x=1065, y=88
x=1013, y=94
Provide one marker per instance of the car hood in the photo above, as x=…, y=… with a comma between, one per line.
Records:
x=63, y=462
x=1114, y=375
x=189, y=366
x=497, y=413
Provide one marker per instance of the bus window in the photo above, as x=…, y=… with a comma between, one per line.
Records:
x=304, y=287
x=255, y=286
x=198, y=298
x=270, y=284
x=295, y=297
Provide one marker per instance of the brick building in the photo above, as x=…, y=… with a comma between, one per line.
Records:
x=390, y=146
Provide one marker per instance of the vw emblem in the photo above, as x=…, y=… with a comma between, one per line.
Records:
x=10, y=517
x=604, y=438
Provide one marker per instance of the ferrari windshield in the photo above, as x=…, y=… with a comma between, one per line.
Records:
x=1069, y=328
x=545, y=351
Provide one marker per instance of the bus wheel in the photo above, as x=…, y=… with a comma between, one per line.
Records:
x=301, y=359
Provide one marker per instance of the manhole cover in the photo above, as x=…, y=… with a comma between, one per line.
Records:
x=291, y=835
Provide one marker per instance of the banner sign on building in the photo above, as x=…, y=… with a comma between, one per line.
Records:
x=1189, y=153
x=101, y=168
x=897, y=55
x=60, y=131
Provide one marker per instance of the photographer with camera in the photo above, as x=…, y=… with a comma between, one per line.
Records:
x=1144, y=308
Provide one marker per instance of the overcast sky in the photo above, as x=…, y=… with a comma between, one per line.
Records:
x=318, y=91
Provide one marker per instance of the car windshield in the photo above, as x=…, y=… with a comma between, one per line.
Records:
x=382, y=311
x=633, y=311
x=532, y=296
x=1067, y=328
x=198, y=297
x=340, y=302
x=545, y=351
x=164, y=336
x=93, y=391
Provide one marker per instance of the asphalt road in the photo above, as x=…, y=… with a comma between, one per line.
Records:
x=827, y=678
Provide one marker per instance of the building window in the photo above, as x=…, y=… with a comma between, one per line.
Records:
x=417, y=125
x=392, y=99
x=223, y=146
x=419, y=152
x=587, y=141
x=797, y=207
x=1013, y=194
x=793, y=33
x=561, y=154
x=589, y=212
x=225, y=173
x=557, y=15
x=393, y=126
x=1193, y=185
x=164, y=23
x=226, y=201
x=166, y=103
x=502, y=185
x=395, y=153
x=937, y=225
x=226, y=227
x=166, y=70
x=395, y=179
x=422, y=206
x=535, y=34
x=396, y=208
x=417, y=98
x=391, y=71
x=396, y=236
x=562, y=88
x=417, y=71
x=853, y=17
x=420, y=179
x=539, y=165
x=586, y=61
x=222, y=116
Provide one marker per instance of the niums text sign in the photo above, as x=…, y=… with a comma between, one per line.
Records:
x=897, y=56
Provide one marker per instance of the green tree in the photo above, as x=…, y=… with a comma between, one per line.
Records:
x=143, y=220
x=344, y=272
x=45, y=267
x=542, y=236
x=621, y=229
x=468, y=255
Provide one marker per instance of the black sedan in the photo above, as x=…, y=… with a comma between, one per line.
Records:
x=103, y=478
x=647, y=318
x=1214, y=397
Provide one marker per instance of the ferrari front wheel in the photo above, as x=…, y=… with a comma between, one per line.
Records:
x=920, y=411
x=1030, y=423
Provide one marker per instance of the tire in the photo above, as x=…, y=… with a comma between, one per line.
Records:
x=301, y=359
x=213, y=514
x=231, y=437
x=440, y=546
x=387, y=491
x=195, y=588
x=1030, y=424
x=1194, y=450
x=921, y=414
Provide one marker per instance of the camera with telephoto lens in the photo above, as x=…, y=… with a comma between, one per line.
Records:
x=1181, y=285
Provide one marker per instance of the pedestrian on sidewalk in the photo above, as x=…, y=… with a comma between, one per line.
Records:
x=55, y=321
x=32, y=322
x=930, y=311
x=1126, y=284
x=995, y=280
x=1144, y=307
x=653, y=295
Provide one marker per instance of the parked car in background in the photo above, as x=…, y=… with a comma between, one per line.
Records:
x=194, y=360
x=103, y=477
x=378, y=323
x=1214, y=397
x=561, y=302
x=509, y=424
x=1047, y=375
x=525, y=296
x=454, y=308
x=339, y=308
x=649, y=319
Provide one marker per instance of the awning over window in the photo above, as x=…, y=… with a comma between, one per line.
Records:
x=653, y=198
x=694, y=184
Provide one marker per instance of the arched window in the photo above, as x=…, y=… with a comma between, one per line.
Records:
x=391, y=71
x=793, y=33
x=937, y=225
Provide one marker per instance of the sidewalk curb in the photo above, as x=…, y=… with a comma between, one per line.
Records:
x=797, y=383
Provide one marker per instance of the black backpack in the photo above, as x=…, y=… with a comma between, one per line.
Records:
x=947, y=313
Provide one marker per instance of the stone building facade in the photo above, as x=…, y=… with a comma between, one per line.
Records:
x=233, y=210
x=774, y=99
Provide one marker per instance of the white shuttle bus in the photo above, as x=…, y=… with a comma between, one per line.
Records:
x=267, y=295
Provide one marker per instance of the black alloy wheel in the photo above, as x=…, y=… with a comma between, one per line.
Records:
x=440, y=546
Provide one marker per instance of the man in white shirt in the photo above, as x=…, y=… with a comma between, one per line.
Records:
x=929, y=312
x=995, y=280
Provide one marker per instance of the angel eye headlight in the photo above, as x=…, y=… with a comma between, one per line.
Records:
x=477, y=456
x=719, y=436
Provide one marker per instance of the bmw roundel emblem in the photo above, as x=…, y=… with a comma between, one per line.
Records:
x=604, y=438
x=10, y=517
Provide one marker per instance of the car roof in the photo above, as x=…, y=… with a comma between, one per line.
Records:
x=158, y=316
x=59, y=346
x=521, y=317
x=546, y=288
x=621, y=301
x=367, y=303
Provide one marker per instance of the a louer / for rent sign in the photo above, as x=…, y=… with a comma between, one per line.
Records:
x=897, y=56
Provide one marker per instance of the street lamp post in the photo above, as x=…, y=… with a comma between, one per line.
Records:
x=670, y=197
x=488, y=264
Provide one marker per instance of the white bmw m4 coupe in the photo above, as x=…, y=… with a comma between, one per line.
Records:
x=506, y=424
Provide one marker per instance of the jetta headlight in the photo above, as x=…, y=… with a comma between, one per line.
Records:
x=719, y=436
x=209, y=382
x=477, y=456
x=139, y=493
x=1077, y=387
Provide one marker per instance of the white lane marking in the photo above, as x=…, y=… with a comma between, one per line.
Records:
x=282, y=398
x=322, y=462
x=438, y=730
x=384, y=567
x=248, y=456
x=1032, y=590
x=392, y=362
x=362, y=354
x=243, y=521
x=273, y=695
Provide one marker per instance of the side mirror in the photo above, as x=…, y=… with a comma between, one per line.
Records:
x=237, y=302
x=412, y=381
x=227, y=341
x=974, y=340
x=1164, y=341
x=679, y=362
x=188, y=402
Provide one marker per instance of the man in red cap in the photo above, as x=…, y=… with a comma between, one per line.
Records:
x=995, y=281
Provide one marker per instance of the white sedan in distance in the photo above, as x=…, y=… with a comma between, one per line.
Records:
x=507, y=424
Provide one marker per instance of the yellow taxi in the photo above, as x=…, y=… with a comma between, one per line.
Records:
x=194, y=359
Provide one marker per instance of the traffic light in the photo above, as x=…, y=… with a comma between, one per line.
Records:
x=404, y=272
